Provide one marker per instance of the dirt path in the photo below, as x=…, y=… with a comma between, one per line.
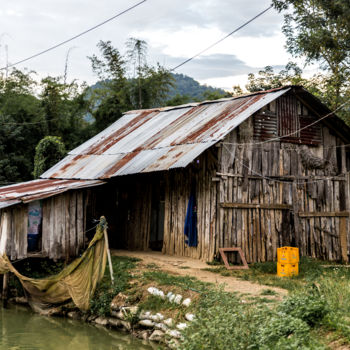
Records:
x=187, y=266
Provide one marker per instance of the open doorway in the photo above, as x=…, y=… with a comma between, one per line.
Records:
x=157, y=217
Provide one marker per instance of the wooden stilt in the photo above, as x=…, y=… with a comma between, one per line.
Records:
x=4, y=295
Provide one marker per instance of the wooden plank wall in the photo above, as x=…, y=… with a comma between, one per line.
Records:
x=310, y=179
x=63, y=225
x=15, y=227
x=178, y=186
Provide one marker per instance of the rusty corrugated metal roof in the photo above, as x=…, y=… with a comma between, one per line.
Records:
x=159, y=139
x=38, y=189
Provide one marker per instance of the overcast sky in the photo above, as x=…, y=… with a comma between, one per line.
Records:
x=174, y=30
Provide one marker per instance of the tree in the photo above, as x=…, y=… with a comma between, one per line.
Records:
x=137, y=53
x=64, y=106
x=21, y=125
x=118, y=92
x=319, y=30
x=48, y=152
x=267, y=79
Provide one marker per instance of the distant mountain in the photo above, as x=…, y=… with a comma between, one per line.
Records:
x=185, y=85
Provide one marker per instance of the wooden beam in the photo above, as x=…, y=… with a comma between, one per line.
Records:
x=286, y=177
x=305, y=214
x=255, y=206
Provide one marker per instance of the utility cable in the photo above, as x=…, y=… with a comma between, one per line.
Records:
x=222, y=39
x=74, y=37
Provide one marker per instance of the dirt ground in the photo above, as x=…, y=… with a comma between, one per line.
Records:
x=187, y=266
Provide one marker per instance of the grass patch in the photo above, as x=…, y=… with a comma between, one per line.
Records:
x=105, y=292
x=152, y=266
x=268, y=292
x=165, y=279
x=223, y=322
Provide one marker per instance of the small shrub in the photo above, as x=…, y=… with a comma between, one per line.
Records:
x=268, y=292
x=311, y=307
x=105, y=292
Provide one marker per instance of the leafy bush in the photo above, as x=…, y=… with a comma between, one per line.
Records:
x=223, y=322
x=310, y=307
x=105, y=292
x=48, y=152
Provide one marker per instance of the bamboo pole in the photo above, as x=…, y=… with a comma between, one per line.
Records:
x=108, y=254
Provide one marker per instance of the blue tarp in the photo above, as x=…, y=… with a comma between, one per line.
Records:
x=191, y=222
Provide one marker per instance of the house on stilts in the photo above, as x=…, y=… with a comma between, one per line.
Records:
x=263, y=170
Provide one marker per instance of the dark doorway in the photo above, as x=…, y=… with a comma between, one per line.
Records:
x=157, y=217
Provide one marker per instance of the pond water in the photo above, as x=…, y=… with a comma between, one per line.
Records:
x=20, y=329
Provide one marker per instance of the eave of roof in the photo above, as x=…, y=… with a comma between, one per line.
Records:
x=39, y=189
x=159, y=139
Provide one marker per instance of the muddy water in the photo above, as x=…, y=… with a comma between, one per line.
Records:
x=20, y=329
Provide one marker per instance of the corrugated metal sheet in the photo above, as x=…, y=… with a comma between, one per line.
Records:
x=158, y=139
x=39, y=189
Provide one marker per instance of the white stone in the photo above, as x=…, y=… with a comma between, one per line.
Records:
x=181, y=326
x=174, y=333
x=101, y=321
x=146, y=323
x=156, y=292
x=172, y=297
x=118, y=314
x=178, y=299
x=161, y=326
x=151, y=290
x=157, y=336
x=126, y=325
x=189, y=317
x=186, y=302
x=145, y=315
x=169, y=322
x=114, y=322
x=157, y=317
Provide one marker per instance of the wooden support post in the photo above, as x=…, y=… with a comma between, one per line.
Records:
x=343, y=239
x=5, y=283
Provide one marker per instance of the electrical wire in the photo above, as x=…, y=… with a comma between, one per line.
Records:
x=74, y=37
x=222, y=39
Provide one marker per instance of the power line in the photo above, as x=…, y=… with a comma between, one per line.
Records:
x=28, y=123
x=222, y=39
x=74, y=37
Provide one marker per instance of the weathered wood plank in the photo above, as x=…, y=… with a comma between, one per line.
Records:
x=255, y=206
x=304, y=214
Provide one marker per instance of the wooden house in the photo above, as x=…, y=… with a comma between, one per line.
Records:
x=267, y=169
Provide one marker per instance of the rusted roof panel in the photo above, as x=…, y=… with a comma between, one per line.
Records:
x=158, y=139
x=39, y=189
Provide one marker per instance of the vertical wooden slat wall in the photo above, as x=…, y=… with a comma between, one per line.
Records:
x=63, y=225
x=178, y=186
x=296, y=180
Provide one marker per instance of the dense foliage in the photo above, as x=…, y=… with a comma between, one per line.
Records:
x=48, y=152
x=32, y=109
x=319, y=31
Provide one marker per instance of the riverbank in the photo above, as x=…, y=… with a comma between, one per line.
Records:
x=181, y=311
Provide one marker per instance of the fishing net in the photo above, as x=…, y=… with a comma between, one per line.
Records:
x=77, y=281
